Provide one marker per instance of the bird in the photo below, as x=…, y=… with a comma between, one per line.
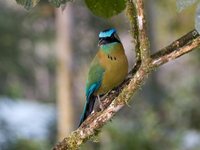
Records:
x=108, y=69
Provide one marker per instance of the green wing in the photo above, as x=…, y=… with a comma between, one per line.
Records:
x=95, y=76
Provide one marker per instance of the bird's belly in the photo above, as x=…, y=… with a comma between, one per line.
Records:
x=116, y=71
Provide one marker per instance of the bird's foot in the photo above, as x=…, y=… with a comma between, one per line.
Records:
x=104, y=96
x=100, y=103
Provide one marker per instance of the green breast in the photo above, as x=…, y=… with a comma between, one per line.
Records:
x=114, y=61
x=109, y=68
x=111, y=48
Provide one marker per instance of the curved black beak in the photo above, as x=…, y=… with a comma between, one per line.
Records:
x=101, y=41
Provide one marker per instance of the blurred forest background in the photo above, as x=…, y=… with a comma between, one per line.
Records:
x=44, y=57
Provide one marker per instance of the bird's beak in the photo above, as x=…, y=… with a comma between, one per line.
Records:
x=100, y=42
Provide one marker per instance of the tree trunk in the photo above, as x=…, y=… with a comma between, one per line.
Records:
x=63, y=79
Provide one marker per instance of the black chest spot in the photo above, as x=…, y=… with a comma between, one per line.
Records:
x=112, y=57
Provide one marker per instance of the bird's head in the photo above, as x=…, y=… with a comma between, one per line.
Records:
x=108, y=36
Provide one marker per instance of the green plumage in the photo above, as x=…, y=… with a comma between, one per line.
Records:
x=95, y=73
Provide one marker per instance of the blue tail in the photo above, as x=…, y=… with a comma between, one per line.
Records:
x=87, y=108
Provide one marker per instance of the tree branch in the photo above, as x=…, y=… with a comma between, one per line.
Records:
x=138, y=30
x=118, y=99
x=143, y=37
x=182, y=45
x=131, y=13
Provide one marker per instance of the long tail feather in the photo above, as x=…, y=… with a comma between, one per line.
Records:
x=87, y=109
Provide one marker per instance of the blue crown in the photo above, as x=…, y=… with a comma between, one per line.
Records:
x=107, y=33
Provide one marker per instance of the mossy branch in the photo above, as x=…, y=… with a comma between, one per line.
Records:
x=136, y=15
x=143, y=37
x=131, y=13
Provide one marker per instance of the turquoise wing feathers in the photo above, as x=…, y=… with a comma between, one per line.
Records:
x=93, y=83
x=95, y=77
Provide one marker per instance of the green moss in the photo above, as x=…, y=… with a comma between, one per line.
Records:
x=72, y=141
x=132, y=16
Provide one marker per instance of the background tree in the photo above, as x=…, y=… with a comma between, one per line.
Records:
x=64, y=72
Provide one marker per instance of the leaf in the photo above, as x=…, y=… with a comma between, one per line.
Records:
x=106, y=8
x=28, y=4
x=182, y=4
x=57, y=3
x=197, y=18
